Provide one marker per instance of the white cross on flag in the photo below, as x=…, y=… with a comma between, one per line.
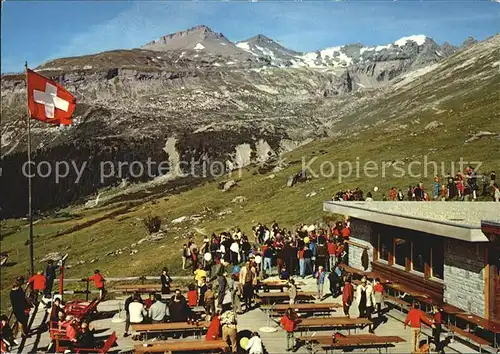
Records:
x=48, y=101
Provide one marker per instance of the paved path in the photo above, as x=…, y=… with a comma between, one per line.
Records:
x=253, y=321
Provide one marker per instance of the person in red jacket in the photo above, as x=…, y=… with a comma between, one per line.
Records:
x=98, y=280
x=37, y=283
x=289, y=323
x=213, y=331
x=415, y=318
x=437, y=320
x=347, y=296
x=332, y=253
x=378, y=294
x=346, y=232
x=192, y=296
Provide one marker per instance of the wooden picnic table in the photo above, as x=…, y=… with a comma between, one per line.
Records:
x=281, y=295
x=405, y=289
x=142, y=288
x=353, y=270
x=267, y=285
x=183, y=346
x=332, y=322
x=305, y=307
x=138, y=286
x=491, y=326
x=355, y=341
x=450, y=309
x=170, y=327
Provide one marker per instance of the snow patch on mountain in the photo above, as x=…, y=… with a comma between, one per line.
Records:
x=244, y=46
x=199, y=46
x=419, y=39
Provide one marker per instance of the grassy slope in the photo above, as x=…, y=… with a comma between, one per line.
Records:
x=466, y=106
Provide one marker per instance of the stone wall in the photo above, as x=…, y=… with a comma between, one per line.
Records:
x=361, y=232
x=464, y=275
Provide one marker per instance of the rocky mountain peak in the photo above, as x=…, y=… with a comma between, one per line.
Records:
x=200, y=39
x=468, y=42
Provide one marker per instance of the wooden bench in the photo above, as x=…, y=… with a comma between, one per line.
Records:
x=467, y=335
x=332, y=322
x=62, y=347
x=170, y=327
x=183, y=346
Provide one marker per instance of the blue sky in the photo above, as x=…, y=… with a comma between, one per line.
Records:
x=38, y=31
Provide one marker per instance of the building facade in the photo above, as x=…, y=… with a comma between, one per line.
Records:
x=454, y=261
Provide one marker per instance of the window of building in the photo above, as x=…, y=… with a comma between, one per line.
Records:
x=412, y=250
x=384, y=246
x=437, y=265
x=421, y=255
x=402, y=250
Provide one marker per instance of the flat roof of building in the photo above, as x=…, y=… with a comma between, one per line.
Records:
x=460, y=220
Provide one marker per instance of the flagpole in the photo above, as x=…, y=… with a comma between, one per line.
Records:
x=30, y=212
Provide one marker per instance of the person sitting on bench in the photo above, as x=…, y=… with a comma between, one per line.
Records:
x=158, y=311
x=137, y=310
x=55, y=310
x=6, y=334
x=178, y=308
x=85, y=338
x=149, y=301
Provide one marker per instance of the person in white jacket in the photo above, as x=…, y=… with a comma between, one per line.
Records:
x=365, y=298
x=136, y=310
x=254, y=345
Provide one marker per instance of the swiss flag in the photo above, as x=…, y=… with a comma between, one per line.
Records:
x=48, y=101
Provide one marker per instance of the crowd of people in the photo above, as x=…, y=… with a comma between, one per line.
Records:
x=464, y=186
x=227, y=269
x=41, y=286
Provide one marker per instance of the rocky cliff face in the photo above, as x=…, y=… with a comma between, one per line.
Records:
x=219, y=103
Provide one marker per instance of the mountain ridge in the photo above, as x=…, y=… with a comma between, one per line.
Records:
x=135, y=104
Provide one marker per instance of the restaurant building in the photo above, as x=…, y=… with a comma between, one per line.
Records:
x=449, y=250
